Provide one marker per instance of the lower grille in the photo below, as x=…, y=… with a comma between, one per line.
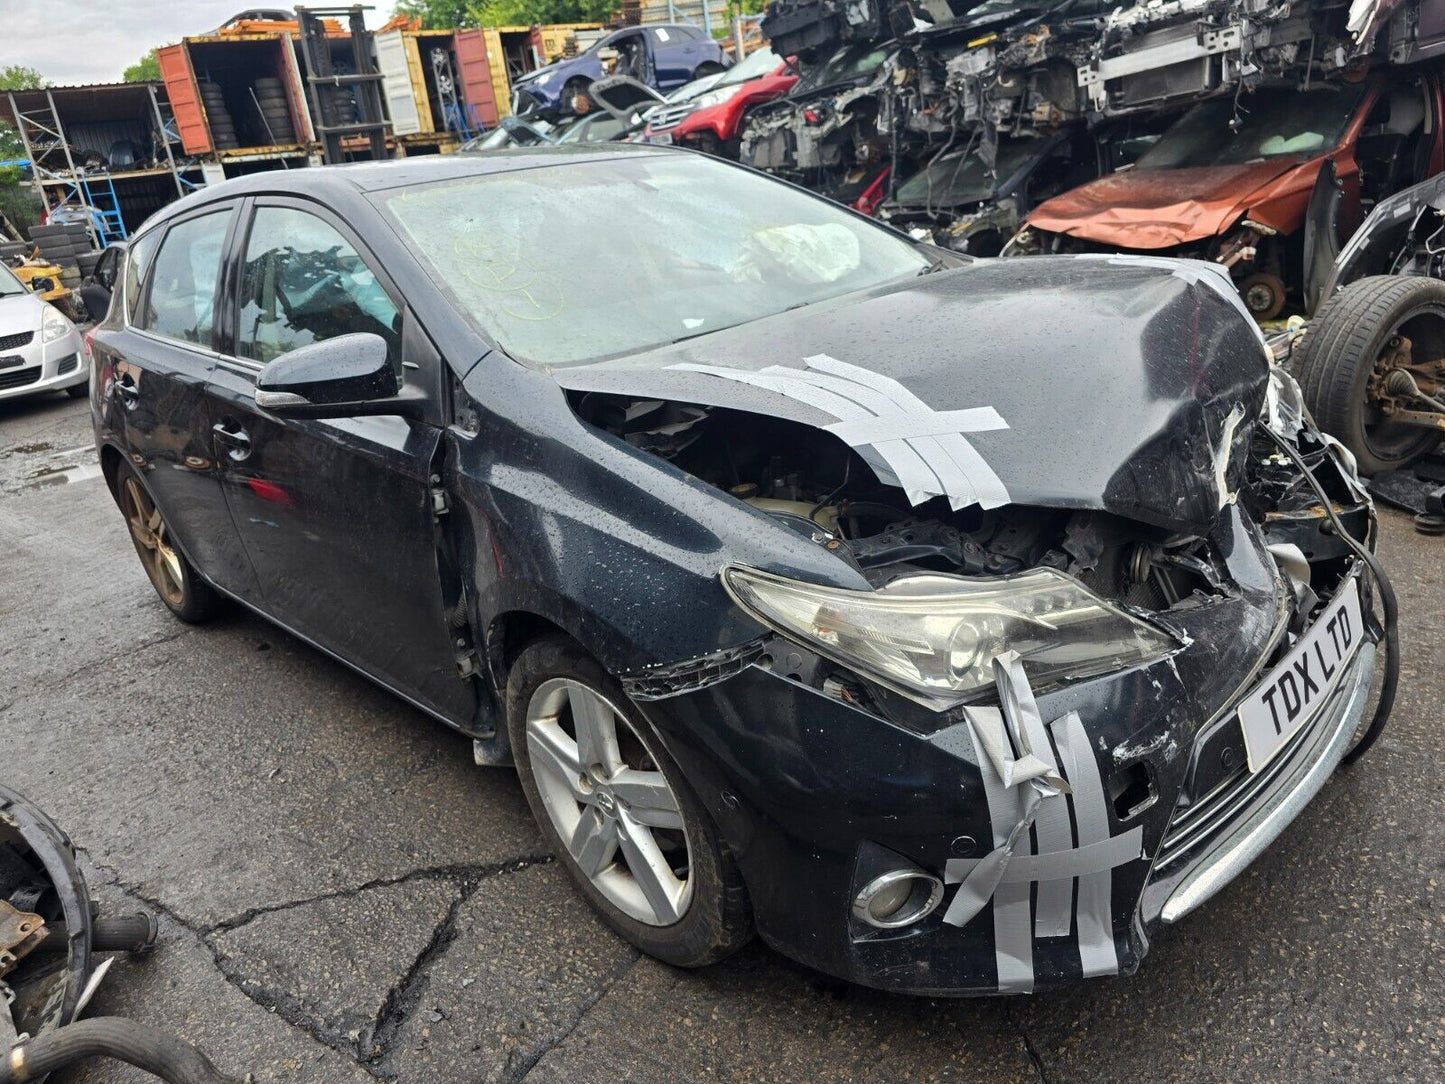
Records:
x=15, y=342
x=19, y=378
x=1201, y=820
x=68, y=364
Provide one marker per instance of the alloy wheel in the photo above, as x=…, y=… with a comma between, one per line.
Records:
x=609, y=802
x=152, y=538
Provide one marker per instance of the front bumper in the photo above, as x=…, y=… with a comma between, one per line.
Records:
x=38, y=367
x=814, y=796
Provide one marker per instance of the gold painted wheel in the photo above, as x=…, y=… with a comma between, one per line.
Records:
x=152, y=541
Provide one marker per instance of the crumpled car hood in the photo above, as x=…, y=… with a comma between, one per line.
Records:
x=1160, y=208
x=1127, y=384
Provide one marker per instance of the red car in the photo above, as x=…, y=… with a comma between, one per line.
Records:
x=710, y=122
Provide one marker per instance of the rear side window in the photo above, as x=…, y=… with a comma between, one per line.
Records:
x=303, y=282
x=180, y=303
x=137, y=263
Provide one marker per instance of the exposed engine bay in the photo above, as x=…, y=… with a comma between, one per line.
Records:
x=811, y=483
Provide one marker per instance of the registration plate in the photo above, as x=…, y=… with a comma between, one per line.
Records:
x=1294, y=690
x=661, y=138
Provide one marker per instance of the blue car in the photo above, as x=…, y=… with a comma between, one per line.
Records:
x=663, y=56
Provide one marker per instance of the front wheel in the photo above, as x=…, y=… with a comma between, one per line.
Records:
x=617, y=812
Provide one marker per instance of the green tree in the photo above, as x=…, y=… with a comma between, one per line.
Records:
x=16, y=77
x=146, y=69
x=437, y=14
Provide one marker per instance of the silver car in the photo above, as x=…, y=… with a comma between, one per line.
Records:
x=40, y=350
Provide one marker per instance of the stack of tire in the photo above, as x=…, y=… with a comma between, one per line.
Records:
x=10, y=250
x=274, y=126
x=223, y=128
x=343, y=105
x=69, y=247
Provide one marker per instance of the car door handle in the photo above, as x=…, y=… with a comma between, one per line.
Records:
x=234, y=438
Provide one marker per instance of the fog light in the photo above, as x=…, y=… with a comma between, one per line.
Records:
x=900, y=897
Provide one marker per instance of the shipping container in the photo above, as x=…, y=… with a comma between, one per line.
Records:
x=237, y=96
x=415, y=66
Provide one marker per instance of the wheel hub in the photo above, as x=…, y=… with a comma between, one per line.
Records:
x=612, y=807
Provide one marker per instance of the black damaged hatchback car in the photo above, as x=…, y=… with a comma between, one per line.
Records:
x=954, y=625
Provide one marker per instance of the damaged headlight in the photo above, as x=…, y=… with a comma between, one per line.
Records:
x=933, y=638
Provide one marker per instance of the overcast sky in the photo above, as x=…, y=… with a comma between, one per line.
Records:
x=93, y=41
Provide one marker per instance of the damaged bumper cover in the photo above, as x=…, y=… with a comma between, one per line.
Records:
x=1067, y=826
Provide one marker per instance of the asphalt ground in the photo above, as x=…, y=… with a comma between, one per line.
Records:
x=344, y=896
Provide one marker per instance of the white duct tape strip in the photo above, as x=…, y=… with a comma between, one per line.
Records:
x=904, y=440
x=1025, y=791
x=1089, y=858
x=1053, y=906
x=1094, y=910
x=1010, y=811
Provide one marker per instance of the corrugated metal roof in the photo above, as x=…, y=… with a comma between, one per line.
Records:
x=83, y=103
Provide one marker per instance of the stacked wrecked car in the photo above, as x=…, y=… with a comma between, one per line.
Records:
x=1258, y=137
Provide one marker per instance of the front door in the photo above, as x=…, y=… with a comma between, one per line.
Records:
x=336, y=515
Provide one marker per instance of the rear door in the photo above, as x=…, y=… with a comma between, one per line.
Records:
x=156, y=372
x=672, y=58
x=336, y=516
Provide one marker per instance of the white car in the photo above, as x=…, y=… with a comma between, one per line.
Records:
x=40, y=350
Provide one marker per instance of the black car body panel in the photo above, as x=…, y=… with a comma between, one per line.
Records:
x=425, y=550
x=1161, y=431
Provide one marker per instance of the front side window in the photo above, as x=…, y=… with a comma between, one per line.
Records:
x=303, y=282
x=660, y=248
x=137, y=261
x=180, y=303
x=9, y=284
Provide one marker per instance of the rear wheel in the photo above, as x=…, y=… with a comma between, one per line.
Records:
x=183, y=592
x=1366, y=331
x=618, y=813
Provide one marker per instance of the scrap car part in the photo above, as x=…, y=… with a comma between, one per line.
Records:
x=49, y=938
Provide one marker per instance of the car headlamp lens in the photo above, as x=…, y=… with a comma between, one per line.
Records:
x=714, y=97
x=933, y=637
x=53, y=325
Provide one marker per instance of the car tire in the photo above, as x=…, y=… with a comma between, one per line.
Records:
x=570, y=91
x=706, y=920
x=175, y=580
x=1337, y=358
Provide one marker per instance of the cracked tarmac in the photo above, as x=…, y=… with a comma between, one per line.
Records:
x=343, y=896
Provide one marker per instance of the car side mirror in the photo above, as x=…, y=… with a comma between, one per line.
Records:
x=40, y=284
x=345, y=377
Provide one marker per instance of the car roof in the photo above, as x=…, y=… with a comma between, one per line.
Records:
x=343, y=180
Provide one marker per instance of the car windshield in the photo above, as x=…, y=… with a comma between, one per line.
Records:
x=962, y=176
x=571, y=263
x=846, y=64
x=753, y=66
x=9, y=284
x=1269, y=126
